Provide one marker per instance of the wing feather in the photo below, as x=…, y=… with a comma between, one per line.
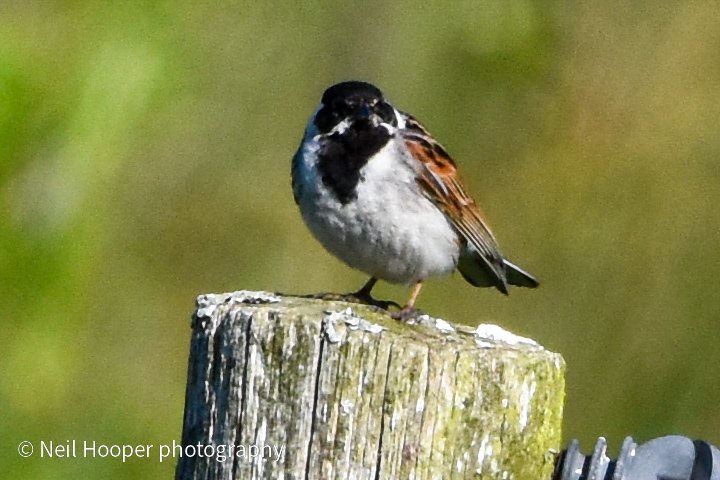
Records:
x=441, y=183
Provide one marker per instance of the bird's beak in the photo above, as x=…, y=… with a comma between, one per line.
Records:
x=364, y=111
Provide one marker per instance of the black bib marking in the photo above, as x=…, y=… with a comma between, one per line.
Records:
x=342, y=156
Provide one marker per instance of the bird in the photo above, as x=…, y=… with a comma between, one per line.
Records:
x=383, y=196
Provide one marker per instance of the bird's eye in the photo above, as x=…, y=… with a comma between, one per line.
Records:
x=326, y=119
x=385, y=111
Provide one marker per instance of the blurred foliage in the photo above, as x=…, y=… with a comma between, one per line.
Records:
x=145, y=155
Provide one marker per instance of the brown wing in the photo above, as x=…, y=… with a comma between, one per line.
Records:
x=440, y=182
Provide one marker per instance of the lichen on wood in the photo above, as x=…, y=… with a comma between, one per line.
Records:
x=352, y=394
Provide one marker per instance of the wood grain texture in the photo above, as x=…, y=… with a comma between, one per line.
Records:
x=331, y=390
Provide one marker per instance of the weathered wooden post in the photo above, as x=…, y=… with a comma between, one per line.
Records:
x=288, y=387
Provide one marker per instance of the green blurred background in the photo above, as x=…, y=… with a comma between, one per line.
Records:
x=144, y=159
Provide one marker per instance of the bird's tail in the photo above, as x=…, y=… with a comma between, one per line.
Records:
x=481, y=273
x=519, y=277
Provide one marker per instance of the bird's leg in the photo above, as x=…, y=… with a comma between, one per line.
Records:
x=414, y=293
x=363, y=296
x=364, y=293
x=409, y=311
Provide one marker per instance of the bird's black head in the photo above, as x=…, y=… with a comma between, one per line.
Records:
x=352, y=90
x=353, y=101
x=366, y=122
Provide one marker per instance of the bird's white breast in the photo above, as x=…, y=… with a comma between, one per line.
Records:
x=391, y=230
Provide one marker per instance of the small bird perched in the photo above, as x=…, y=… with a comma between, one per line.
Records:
x=382, y=195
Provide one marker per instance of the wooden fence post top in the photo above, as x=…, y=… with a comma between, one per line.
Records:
x=348, y=392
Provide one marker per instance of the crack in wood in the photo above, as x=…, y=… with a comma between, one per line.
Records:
x=382, y=417
x=316, y=396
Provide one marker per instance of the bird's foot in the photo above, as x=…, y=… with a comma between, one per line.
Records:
x=364, y=297
x=329, y=296
x=360, y=297
x=407, y=314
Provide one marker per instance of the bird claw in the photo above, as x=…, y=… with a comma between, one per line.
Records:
x=406, y=314
x=367, y=299
x=355, y=297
